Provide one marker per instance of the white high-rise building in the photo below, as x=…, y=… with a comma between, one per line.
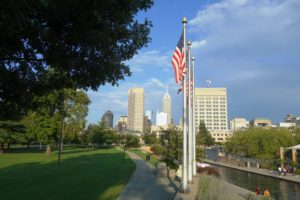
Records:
x=211, y=107
x=166, y=107
x=161, y=119
x=136, y=109
x=239, y=124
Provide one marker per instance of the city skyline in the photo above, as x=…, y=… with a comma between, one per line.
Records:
x=251, y=53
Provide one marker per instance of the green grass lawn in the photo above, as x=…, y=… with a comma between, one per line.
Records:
x=83, y=174
x=153, y=161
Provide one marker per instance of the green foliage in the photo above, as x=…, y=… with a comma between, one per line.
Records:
x=130, y=141
x=75, y=111
x=48, y=45
x=296, y=132
x=212, y=188
x=203, y=137
x=44, y=124
x=200, y=154
x=150, y=138
x=96, y=133
x=171, y=141
x=259, y=143
x=11, y=132
x=157, y=149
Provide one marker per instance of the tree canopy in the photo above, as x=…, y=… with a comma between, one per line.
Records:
x=51, y=44
x=260, y=143
x=204, y=137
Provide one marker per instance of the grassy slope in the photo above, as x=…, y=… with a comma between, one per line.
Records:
x=83, y=174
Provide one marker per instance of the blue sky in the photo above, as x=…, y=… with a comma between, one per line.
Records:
x=251, y=47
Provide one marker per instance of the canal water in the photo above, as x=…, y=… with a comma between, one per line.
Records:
x=279, y=189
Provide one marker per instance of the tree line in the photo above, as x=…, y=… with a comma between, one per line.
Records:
x=262, y=143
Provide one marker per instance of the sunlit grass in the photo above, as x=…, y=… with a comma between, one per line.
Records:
x=83, y=174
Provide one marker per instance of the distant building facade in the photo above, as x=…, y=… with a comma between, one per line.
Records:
x=261, y=122
x=122, y=124
x=161, y=119
x=167, y=107
x=136, y=109
x=147, y=124
x=286, y=124
x=239, y=124
x=221, y=135
x=211, y=108
x=290, y=118
x=108, y=119
x=149, y=115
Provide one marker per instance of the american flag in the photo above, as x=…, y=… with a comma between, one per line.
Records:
x=178, y=60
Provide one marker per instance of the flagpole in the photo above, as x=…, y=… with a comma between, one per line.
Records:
x=184, y=163
x=190, y=153
x=193, y=120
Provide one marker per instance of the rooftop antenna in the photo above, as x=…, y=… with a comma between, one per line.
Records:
x=209, y=82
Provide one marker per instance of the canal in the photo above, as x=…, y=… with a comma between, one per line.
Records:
x=279, y=189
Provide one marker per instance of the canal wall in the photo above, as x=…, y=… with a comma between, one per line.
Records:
x=265, y=172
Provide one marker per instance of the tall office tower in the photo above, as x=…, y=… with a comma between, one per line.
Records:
x=166, y=107
x=108, y=119
x=136, y=109
x=149, y=115
x=211, y=107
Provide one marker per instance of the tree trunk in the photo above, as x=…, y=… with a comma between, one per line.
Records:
x=124, y=153
x=40, y=145
x=8, y=145
x=48, y=151
x=1, y=148
x=28, y=145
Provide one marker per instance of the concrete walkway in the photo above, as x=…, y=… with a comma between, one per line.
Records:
x=145, y=185
x=265, y=172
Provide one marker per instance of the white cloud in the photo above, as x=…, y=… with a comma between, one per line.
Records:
x=198, y=44
x=148, y=59
x=250, y=46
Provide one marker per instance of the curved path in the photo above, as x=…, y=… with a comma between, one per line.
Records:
x=144, y=183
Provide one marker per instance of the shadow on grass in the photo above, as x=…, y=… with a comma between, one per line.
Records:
x=97, y=174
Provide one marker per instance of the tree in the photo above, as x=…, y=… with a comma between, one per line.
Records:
x=100, y=134
x=95, y=133
x=75, y=111
x=150, y=138
x=259, y=142
x=171, y=141
x=203, y=137
x=129, y=141
x=29, y=121
x=48, y=45
x=11, y=132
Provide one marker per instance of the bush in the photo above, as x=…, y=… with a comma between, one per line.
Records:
x=211, y=188
x=157, y=149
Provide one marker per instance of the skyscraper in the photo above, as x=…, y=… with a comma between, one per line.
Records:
x=108, y=119
x=136, y=109
x=149, y=115
x=166, y=107
x=211, y=107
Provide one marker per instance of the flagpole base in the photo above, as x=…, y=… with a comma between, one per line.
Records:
x=182, y=190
